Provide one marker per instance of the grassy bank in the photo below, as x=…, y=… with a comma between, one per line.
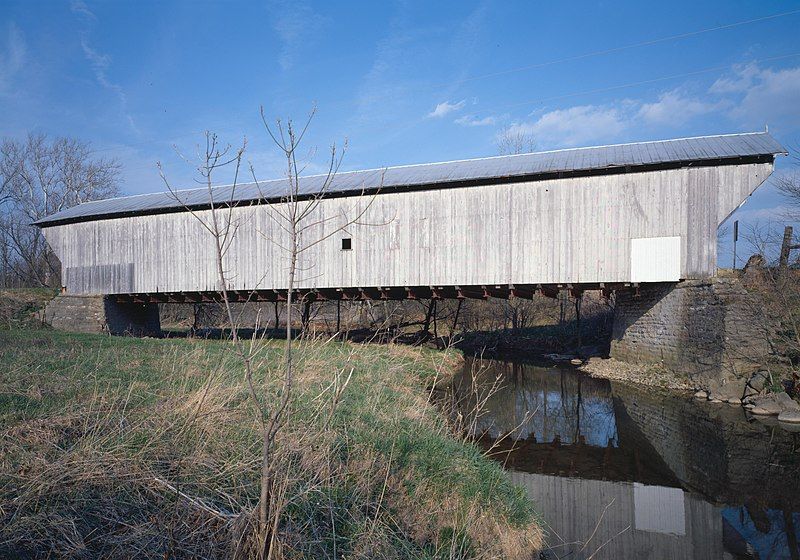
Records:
x=121, y=447
x=20, y=308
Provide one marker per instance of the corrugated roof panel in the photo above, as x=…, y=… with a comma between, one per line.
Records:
x=435, y=175
x=671, y=151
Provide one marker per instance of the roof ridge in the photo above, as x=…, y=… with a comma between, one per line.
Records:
x=465, y=160
x=604, y=157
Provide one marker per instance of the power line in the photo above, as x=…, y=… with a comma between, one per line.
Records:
x=617, y=49
x=573, y=94
x=641, y=82
x=568, y=59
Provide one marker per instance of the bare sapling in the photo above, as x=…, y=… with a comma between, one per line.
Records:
x=221, y=223
x=299, y=223
x=297, y=215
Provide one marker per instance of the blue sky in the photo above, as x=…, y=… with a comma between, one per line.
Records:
x=403, y=82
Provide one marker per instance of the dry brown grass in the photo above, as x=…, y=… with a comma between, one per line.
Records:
x=150, y=449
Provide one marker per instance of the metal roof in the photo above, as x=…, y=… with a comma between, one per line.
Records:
x=620, y=157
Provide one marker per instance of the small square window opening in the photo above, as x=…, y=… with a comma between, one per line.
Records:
x=347, y=244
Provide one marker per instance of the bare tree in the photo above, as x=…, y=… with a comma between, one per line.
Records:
x=763, y=238
x=39, y=177
x=512, y=141
x=297, y=220
x=788, y=183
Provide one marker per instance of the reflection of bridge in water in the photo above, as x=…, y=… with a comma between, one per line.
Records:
x=652, y=476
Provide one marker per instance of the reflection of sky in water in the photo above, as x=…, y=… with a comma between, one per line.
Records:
x=667, y=441
x=771, y=539
x=558, y=404
x=592, y=418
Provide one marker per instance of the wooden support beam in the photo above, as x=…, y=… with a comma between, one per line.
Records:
x=522, y=291
x=329, y=294
x=420, y=292
x=382, y=293
x=500, y=292
x=371, y=293
x=470, y=292
x=350, y=294
x=549, y=291
x=396, y=293
x=266, y=295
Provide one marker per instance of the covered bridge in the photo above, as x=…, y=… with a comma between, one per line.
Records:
x=598, y=217
x=639, y=219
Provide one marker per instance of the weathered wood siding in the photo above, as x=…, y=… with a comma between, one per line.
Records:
x=571, y=230
x=623, y=520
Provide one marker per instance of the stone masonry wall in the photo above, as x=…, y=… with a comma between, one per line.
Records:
x=98, y=314
x=76, y=314
x=711, y=330
x=710, y=449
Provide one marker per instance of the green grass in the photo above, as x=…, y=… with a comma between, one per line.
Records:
x=87, y=420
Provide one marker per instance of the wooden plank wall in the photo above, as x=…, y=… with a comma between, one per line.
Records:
x=575, y=510
x=574, y=230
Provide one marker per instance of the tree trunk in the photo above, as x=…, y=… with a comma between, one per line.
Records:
x=786, y=247
x=455, y=320
x=426, y=325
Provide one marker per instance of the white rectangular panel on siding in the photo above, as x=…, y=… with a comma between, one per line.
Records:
x=659, y=509
x=656, y=259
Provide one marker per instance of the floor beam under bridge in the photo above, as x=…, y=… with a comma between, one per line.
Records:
x=376, y=293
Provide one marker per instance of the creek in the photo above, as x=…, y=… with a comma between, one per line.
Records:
x=622, y=471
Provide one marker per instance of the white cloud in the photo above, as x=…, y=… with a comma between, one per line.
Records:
x=743, y=77
x=443, y=109
x=101, y=64
x=296, y=24
x=575, y=125
x=12, y=57
x=770, y=96
x=675, y=108
x=584, y=124
x=471, y=120
x=80, y=8
x=750, y=95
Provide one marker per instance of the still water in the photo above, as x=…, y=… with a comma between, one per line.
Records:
x=620, y=472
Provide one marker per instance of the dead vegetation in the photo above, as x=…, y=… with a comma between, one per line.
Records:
x=104, y=455
x=21, y=307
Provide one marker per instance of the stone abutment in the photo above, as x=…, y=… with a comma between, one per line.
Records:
x=714, y=331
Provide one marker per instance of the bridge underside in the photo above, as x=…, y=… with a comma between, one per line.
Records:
x=709, y=330
x=502, y=291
